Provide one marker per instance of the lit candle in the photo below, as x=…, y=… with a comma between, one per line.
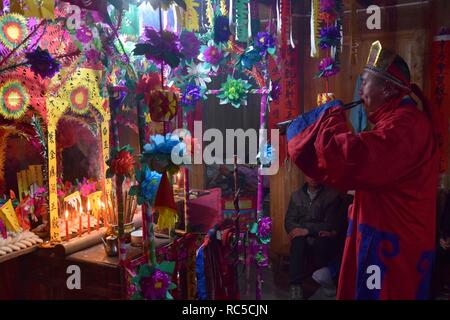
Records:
x=67, y=225
x=80, y=229
x=89, y=216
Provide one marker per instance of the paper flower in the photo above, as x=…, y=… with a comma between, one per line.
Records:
x=191, y=95
x=158, y=152
x=250, y=57
x=327, y=68
x=234, y=91
x=328, y=17
x=84, y=34
x=221, y=29
x=121, y=162
x=148, y=83
x=198, y=73
x=13, y=30
x=148, y=185
x=212, y=55
x=160, y=47
x=265, y=229
x=87, y=187
x=92, y=55
x=265, y=43
x=14, y=99
x=327, y=5
x=162, y=104
x=329, y=37
x=42, y=63
x=190, y=45
x=153, y=282
x=155, y=286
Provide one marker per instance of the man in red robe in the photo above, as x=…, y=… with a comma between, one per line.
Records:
x=390, y=242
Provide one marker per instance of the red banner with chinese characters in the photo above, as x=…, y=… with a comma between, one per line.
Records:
x=440, y=92
x=287, y=73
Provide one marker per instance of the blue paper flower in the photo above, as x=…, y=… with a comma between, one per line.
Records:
x=149, y=184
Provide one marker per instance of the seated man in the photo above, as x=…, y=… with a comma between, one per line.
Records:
x=313, y=221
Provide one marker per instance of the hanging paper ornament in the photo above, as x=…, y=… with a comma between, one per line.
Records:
x=234, y=91
x=13, y=30
x=165, y=204
x=191, y=18
x=79, y=100
x=14, y=100
x=162, y=104
x=42, y=63
x=242, y=20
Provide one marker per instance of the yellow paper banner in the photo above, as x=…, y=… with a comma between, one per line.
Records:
x=44, y=9
x=8, y=215
x=191, y=18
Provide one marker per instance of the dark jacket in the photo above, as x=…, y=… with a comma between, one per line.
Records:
x=321, y=214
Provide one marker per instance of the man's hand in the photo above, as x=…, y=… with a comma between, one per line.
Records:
x=298, y=232
x=445, y=243
x=327, y=234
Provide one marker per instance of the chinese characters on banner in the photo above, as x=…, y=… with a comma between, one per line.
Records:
x=440, y=92
x=288, y=104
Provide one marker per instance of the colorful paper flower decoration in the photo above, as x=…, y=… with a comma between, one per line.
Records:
x=190, y=96
x=190, y=45
x=13, y=30
x=250, y=57
x=153, y=282
x=79, y=100
x=327, y=5
x=162, y=104
x=148, y=83
x=212, y=55
x=158, y=152
x=222, y=31
x=14, y=99
x=148, y=185
x=42, y=63
x=198, y=73
x=234, y=91
x=121, y=162
x=265, y=230
x=327, y=68
x=265, y=42
x=329, y=37
x=160, y=47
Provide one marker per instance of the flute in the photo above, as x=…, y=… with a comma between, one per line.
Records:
x=282, y=126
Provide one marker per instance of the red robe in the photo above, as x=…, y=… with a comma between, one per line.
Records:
x=394, y=170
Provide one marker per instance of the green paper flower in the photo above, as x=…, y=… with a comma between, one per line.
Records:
x=234, y=91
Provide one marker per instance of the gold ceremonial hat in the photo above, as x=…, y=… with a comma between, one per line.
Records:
x=389, y=65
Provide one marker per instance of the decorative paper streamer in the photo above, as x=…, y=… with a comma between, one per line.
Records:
x=230, y=15
x=223, y=7
x=242, y=20
x=285, y=12
x=191, y=18
x=210, y=13
x=314, y=28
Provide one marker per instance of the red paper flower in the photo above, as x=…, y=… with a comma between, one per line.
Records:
x=123, y=164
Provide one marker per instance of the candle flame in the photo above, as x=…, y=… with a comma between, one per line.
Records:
x=67, y=214
x=88, y=206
